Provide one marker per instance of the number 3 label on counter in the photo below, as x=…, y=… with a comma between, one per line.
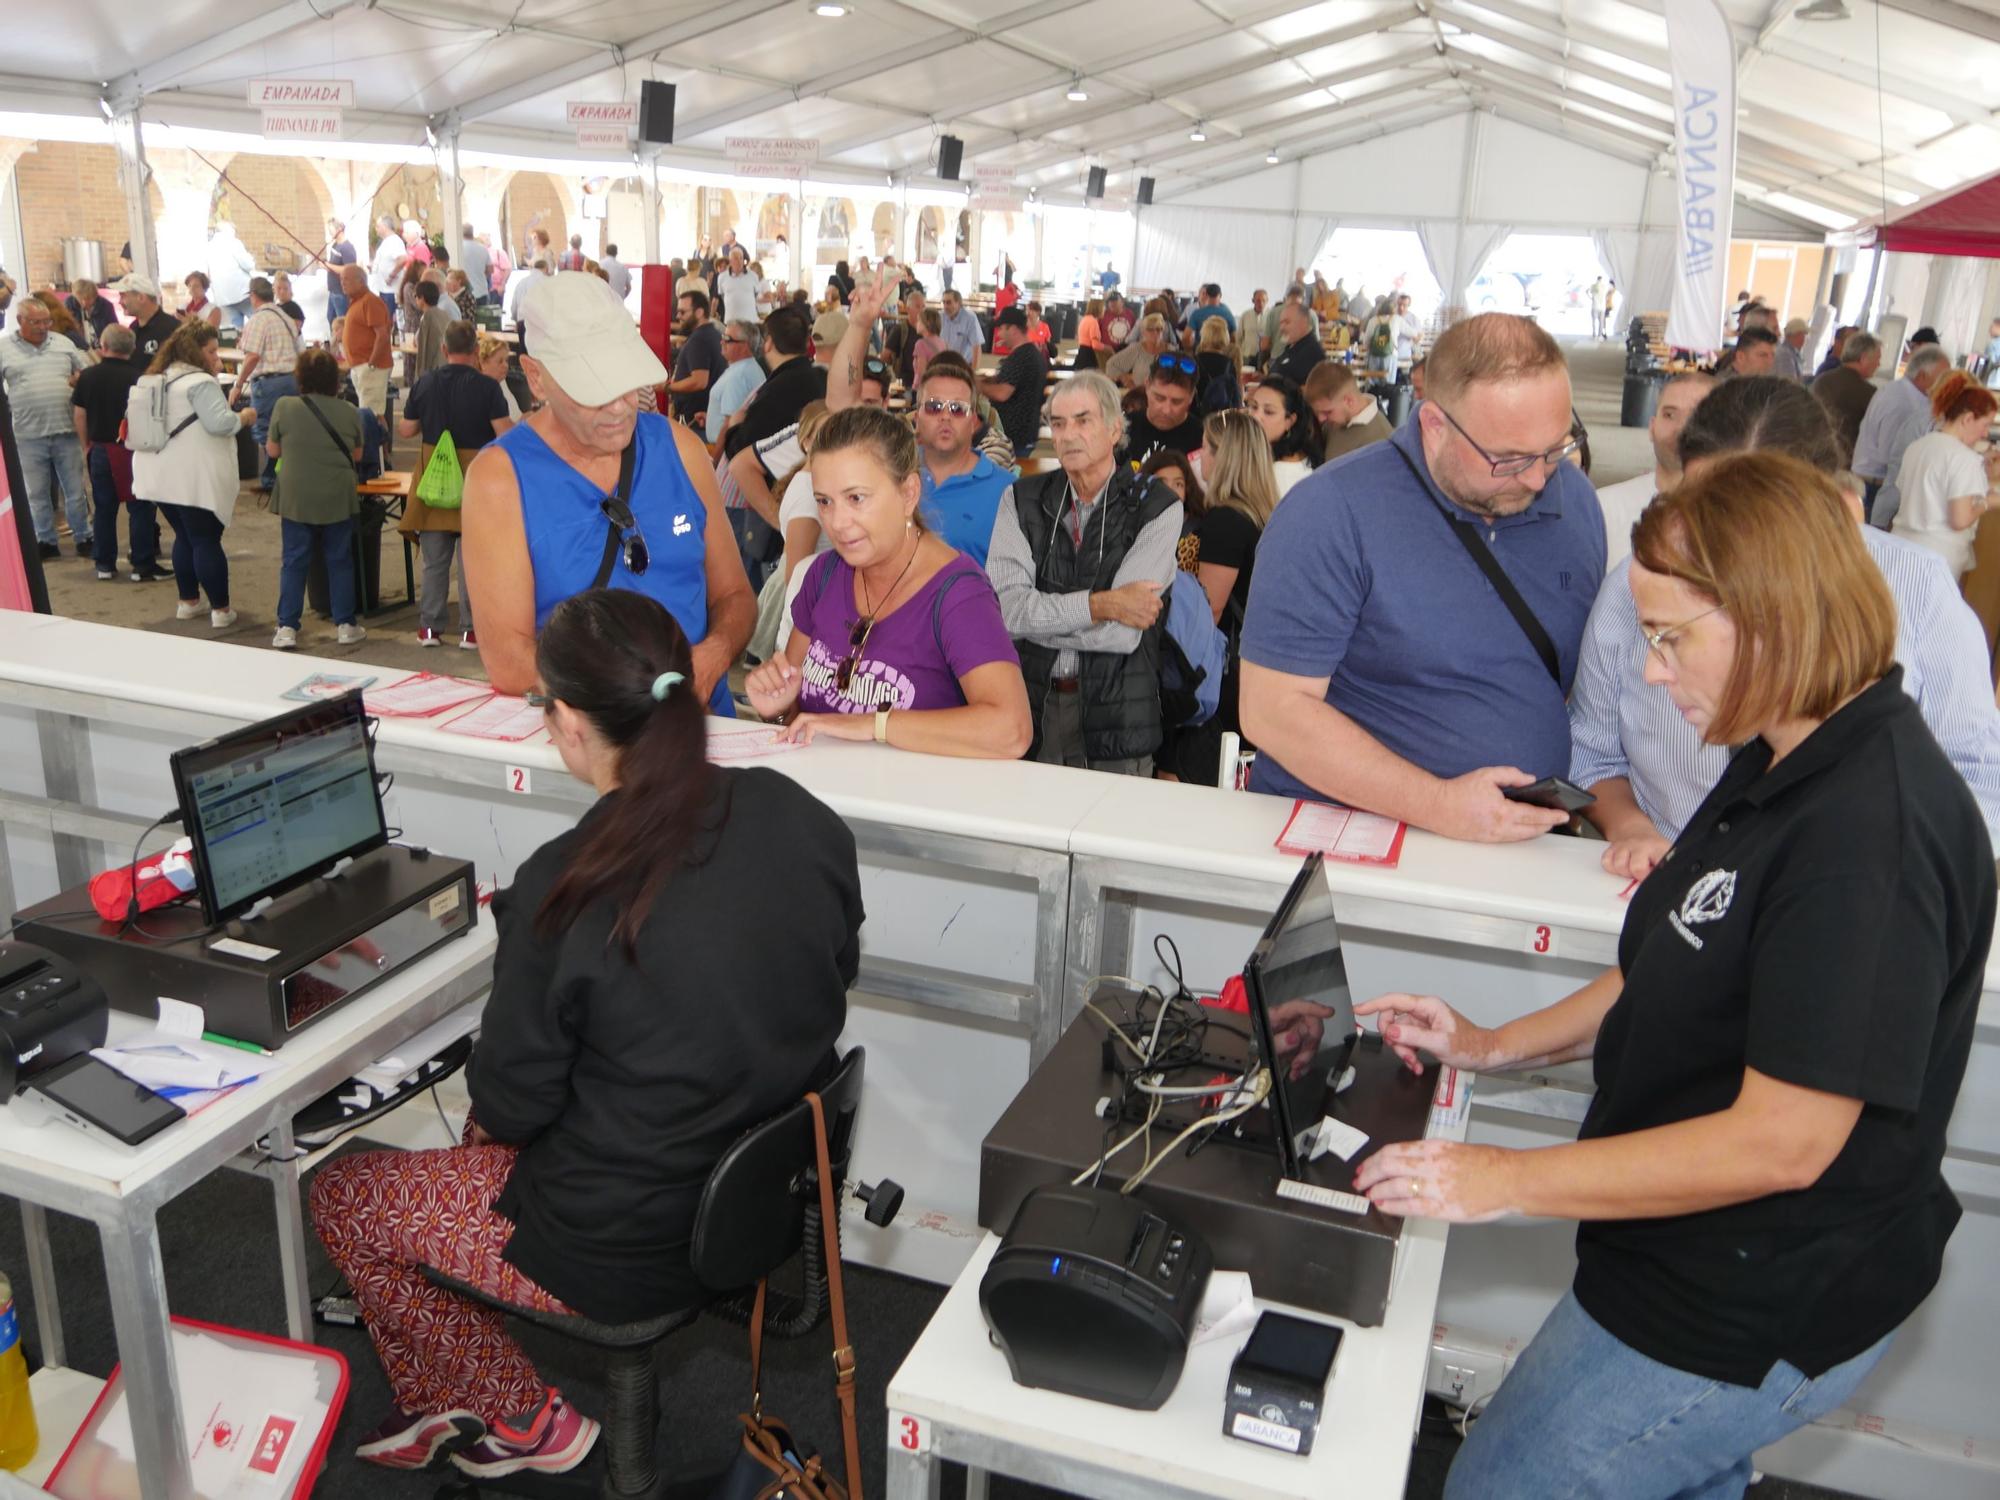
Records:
x=1541, y=940
x=909, y=1434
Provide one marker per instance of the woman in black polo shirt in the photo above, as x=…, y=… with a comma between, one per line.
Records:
x=1778, y=1051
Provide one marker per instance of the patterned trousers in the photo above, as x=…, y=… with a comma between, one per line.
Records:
x=383, y=1215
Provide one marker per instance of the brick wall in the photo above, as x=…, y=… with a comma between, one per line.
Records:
x=290, y=205
x=68, y=190
x=407, y=193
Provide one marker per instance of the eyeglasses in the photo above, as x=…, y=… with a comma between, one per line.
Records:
x=730, y=338
x=638, y=557
x=1182, y=362
x=539, y=700
x=936, y=408
x=1520, y=463
x=1661, y=642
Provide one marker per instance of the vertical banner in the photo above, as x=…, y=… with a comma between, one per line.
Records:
x=22, y=585
x=1703, y=57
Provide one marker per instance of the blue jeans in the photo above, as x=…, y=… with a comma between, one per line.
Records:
x=336, y=305
x=335, y=543
x=264, y=393
x=49, y=464
x=1584, y=1415
x=144, y=529
x=236, y=314
x=199, y=564
x=754, y=541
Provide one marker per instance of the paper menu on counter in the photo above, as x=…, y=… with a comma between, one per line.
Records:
x=1342, y=833
x=499, y=718
x=750, y=742
x=423, y=694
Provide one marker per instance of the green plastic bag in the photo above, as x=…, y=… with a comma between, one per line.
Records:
x=442, y=486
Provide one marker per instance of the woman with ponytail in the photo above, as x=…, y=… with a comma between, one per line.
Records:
x=642, y=1018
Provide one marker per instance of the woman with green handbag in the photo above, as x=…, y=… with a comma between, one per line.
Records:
x=457, y=409
x=317, y=437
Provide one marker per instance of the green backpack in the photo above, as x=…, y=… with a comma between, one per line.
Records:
x=1382, y=340
x=442, y=486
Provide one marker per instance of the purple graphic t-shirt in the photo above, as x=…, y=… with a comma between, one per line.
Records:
x=914, y=656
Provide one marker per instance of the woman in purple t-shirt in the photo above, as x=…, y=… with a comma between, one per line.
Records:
x=896, y=636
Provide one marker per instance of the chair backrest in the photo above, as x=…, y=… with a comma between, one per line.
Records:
x=752, y=1214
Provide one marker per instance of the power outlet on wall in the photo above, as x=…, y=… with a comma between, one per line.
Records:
x=1464, y=1370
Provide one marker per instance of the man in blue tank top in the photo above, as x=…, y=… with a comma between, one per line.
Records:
x=541, y=521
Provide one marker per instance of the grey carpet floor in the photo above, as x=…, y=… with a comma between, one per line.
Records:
x=220, y=1251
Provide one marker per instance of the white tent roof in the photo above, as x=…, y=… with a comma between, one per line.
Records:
x=878, y=85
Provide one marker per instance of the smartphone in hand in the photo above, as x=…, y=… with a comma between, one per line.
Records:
x=1551, y=791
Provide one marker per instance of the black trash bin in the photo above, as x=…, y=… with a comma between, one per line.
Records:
x=367, y=563
x=1399, y=404
x=1642, y=398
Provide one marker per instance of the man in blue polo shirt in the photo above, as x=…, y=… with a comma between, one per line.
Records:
x=963, y=488
x=1381, y=667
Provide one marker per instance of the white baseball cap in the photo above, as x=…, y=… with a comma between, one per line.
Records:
x=583, y=335
x=145, y=286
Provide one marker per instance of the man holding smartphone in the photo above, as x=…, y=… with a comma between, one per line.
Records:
x=1418, y=608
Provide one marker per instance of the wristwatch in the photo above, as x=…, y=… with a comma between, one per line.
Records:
x=881, y=726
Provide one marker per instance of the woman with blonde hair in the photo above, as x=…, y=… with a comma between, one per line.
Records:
x=1777, y=1051
x=493, y=356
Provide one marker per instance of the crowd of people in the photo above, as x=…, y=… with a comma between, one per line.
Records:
x=891, y=524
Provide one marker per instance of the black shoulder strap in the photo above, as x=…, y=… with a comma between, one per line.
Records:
x=624, y=494
x=1495, y=574
x=320, y=417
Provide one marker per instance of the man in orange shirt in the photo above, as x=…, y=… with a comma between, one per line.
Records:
x=364, y=341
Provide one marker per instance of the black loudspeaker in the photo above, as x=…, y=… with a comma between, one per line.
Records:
x=1095, y=187
x=1145, y=190
x=950, y=151
x=656, y=112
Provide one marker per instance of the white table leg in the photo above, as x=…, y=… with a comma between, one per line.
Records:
x=42, y=1281
x=975, y=1483
x=916, y=1476
x=138, y=1287
x=284, y=1170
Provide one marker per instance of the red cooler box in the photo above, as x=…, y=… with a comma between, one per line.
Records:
x=259, y=1411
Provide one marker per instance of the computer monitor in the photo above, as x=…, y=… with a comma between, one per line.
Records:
x=272, y=805
x=1298, y=958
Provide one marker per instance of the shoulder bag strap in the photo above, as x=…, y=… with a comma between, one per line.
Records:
x=624, y=493
x=1495, y=574
x=320, y=417
x=843, y=1350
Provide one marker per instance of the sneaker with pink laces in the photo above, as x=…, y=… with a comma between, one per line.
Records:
x=416, y=1439
x=553, y=1440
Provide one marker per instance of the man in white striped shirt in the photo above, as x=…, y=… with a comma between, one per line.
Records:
x=1649, y=767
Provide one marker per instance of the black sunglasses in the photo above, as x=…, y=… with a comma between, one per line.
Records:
x=857, y=637
x=1182, y=362
x=638, y=557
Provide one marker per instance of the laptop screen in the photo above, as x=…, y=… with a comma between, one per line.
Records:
x=1298, y=959
x=274, y=804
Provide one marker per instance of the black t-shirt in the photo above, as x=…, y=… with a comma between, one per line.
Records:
x=1143, y=439
x=152, y=334
x=625, y=1081
x=1026, y=369
x=775, y=405
x=1825, y=922
x=101, y=391
x=1297, y=362
x=1229, y=540
x=459, y=398
x=700, y=350
x=296, y=313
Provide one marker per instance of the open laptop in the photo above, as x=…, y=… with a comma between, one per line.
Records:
x=1298, y=958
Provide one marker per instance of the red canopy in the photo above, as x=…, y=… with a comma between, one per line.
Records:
x=1964, y=220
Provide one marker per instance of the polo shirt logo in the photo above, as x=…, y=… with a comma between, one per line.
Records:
x=682, y=526
x=1707, y=900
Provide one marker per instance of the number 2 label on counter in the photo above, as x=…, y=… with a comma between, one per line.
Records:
x=1541, y=940
x=909, y=1434
x=519, y=781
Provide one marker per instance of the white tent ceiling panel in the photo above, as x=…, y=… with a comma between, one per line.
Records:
x=1311, y=20
x=1153, y=72
x=1527, y=173
x=1096, y=33
x=1413, y=173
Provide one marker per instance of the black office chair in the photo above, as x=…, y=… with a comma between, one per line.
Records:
x=759, y=1207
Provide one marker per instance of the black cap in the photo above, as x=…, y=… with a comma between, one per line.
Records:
x=1012, y=317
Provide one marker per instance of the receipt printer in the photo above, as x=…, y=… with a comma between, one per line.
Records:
x=1093, y=1294
x=50, y=1011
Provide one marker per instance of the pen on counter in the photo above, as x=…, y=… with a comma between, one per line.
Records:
x=1631, y=886
x=230, y=1041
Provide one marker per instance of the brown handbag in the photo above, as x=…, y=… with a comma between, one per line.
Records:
x=769, y=1465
